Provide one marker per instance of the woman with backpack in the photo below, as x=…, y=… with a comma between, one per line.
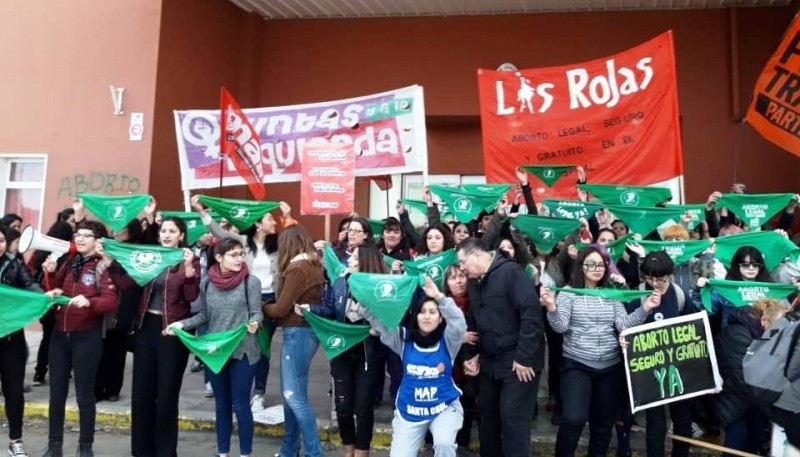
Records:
x=229, y=297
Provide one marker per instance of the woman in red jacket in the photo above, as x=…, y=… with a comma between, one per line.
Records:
x=77, y=341
x=158, y=360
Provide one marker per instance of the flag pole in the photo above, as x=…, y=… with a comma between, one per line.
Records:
x=328, y=227
x=223, y=129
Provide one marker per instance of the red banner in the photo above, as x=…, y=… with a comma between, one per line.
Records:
x=773, y=110
x=616, y=116
x=328, y=178
x=239, y=141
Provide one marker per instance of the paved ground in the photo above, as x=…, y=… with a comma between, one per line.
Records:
x=198, y=412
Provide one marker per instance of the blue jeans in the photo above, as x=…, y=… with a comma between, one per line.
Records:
x=744, y=434
x=299, y=346
x=262, y=367
x=232, y=395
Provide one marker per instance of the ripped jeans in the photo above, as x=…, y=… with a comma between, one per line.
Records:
x=299, y=346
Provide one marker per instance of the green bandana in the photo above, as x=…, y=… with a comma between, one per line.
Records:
x=377, y=228
x=486, y=190
x=614, y=249
x=264, y=339
x=530, y=271
x=335, y=337
x=643, y=220
x=388, y=261
x=115, y=210
x=754, y=209
x=621, y=295
x=698, y=213
x=774, y=247
x=143, y=262
x=463, y=205
x=387, y=297
x=679, y=251
x=432, y=266
x=548, y=174
x=333, y=266
x=20, y=307
x=418, y=205
x=571, y=209
x=545, y=232
x=214, y=349
x=240, y=213
x=194, y=223
x=743, y=293
x=628, y=195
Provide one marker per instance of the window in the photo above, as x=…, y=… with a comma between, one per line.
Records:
x=22, y=178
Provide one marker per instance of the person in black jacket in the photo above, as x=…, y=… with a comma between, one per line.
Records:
x=14, y=350
x=505, y=311
x=735, y=406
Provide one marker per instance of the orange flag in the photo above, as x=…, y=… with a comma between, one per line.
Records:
x=240, y=142
x=774, y=110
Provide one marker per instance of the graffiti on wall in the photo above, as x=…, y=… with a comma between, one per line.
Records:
x=98, y=182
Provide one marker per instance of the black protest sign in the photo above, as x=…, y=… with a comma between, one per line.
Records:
x=670, y=360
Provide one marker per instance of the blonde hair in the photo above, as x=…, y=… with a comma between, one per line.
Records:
x=770, y=309
x=676, y=231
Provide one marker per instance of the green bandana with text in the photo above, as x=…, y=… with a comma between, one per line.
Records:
x=754, y=210
x=335, y=337
x=387, y=297
x=143, y=262
x=640, y=196
x=545, y=232
x=240, y=213
x=643, y=220
x=743, y=293
x=464, y=206
x=773, y=246
x=679, y=251
x=571, y=209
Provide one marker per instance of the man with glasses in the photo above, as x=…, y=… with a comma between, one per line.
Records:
x=506, y=313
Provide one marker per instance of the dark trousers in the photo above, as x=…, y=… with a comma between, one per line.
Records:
x=111, y=373
x=158, y=365
x=555, y=342
x=262, y=366
x=48, y=321
x=79, y=353
x=232, y=396
x=745, y=433
x=506, y=405
x=589, y=395
x=790, y=421
x=354, y=384
x=470, y=405
x=13, y=355
x=395, y=367
x=681, y=414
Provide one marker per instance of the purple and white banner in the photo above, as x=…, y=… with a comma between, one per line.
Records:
x=387, y=131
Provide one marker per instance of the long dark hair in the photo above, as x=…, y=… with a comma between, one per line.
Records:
x=370, y=259
x=740, y=256
x=518, y=256
x=578, y=280
x=181, y=228
x=422, y=245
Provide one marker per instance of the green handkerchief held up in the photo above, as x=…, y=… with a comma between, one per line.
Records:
x=545, y=232
x=643, y=220
x=335, y=337
x=744, y=293
x=486, y=190
x=20, y=307
x=548, y=174
x=640, y=196
x=615, y=249
x=433, y=266
x=333, y=267
x=622, y=295
x=240, y=213
x=679, y=251
x=194, y=223
x=571, y=209
x=463, y=205
x=115, y=210
x=143, y=262
x=214, y=349
x=773, y=246
x=755, y=209
x=387, y=297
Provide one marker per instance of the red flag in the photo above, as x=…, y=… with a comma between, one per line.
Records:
x=239, y=141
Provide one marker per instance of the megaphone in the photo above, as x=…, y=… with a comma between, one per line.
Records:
x=33, y=239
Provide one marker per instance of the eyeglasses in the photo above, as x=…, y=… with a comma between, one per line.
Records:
x=350, y=230
x=660, y=279
x=750, y=265
x=594, y=266
x=83, y=235
x=235, y=255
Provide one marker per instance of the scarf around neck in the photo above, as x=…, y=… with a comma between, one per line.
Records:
x=229, y=280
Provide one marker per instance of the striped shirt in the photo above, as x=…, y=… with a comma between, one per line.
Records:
x=590, y=326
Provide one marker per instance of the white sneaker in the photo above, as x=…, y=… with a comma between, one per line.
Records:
x=209, y=391
x=697, y=431
x=16, y=449
x=258, y=401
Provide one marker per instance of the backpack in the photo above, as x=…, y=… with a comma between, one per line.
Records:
x=769, y=365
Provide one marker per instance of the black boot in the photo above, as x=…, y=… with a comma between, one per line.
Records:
x=85, y=450
x=54, y=450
